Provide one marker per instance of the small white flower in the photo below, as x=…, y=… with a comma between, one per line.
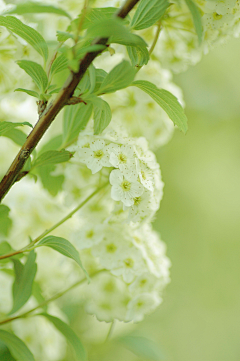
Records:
x=125, y=188
x=94, y=154
x=88, y=235
x=122, y=157
x=146, y=175
x=145, y=283
x=143, y=208
x=141, y=305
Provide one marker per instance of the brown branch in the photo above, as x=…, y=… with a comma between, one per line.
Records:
x=51, y=111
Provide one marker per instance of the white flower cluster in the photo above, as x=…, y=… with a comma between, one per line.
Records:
x=134, y=172
x=120, y=239
x=139, y=270
x=178, y=45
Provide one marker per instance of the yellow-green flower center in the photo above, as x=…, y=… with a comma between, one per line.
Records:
x=129, y=262
x=98, y=153
x=90, y=234
x=137, y=201
x=217, y=16
x=111, y=248
x=126, y=185
x=122, y=157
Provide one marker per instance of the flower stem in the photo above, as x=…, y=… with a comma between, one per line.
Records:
x=110, y=331
x=30, y=245
x=53, y=298
x=155, y=38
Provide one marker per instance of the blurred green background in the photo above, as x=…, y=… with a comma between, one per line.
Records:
x=199, y=218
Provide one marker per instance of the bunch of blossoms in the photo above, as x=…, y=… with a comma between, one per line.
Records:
x=179, y=46
x=107, y=172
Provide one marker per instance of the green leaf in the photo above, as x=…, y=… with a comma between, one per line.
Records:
x=138, y=55
x=35, y=8
x=7, y=126
x=53, y=184
x=147, y=13
x=52, y=144
x=75, y=119
x=118, y=78
x=115, y=30
x=197, y=20
x=29, y=92
x=92, y=77
x=5, y=220
x=5, y=353
x=37, y=293
x=167, y=101
x=16, y=346
x=52, y=157
x=36, y=72
x=59, y=64
x=94, y=15
x=64, y=247
x=102, y=114
x=89, y=49
x=97, y=14
x=5, y=248
x=16, y=135
x=72, y=338
x=62, y=36
x=100, y=76
x=142, y=347
x=30, y=35
x=22, y=286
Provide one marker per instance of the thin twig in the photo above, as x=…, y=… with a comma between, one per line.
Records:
x=51, y=111
x=155, y=38
x=28, y=248
x=53, y=298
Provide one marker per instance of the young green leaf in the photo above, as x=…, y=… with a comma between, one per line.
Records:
x=100, y=76
x=59, y=64
x=32, y=93
x=5, y=220
x=64, y=247
x=138, y=55
x=197, y=20
x=22, y=286
x=53, y=184
x=36, y=72
x=118, y=78
x=16, y=135
x=5, y=247
x=53, y=144
x=7, y=126
x=72, y=338
x=142, y=347
x=167, y=101
x=94, y=15
x=92, y=77
x=30, y=35
x=31, y=7
x=101, y=114
x=37, y=293
x=75, y=119
x=17, y=347
x=147, y=13
x=115, y=30
x=5, y=353
x=52, y=157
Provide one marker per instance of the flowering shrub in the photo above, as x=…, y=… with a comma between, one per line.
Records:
x=79, y=198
